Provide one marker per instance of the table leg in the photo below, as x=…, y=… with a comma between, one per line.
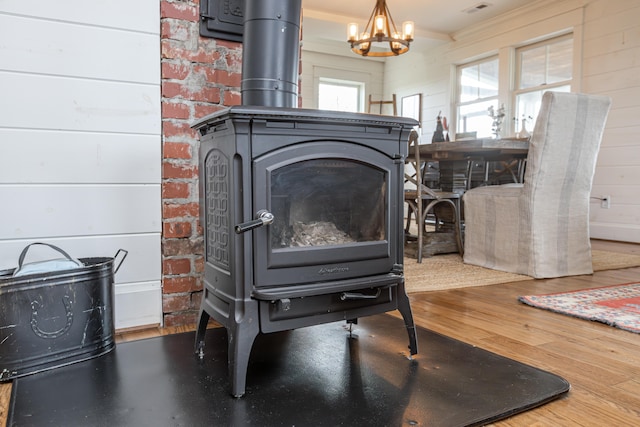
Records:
x=453, y=175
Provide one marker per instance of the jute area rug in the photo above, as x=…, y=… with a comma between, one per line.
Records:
x=441, y=272
x=617, y=305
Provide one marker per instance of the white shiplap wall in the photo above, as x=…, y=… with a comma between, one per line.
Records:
x=606, y=62
x=611, y=67
x=80, y=139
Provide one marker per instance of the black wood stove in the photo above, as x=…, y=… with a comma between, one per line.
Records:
x=301, y=209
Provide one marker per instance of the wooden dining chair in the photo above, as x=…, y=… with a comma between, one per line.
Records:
x=422, y=202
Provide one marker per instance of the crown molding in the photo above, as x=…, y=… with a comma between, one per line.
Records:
x=539, y=9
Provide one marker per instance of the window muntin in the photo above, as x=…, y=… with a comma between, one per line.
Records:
x=543, y=66
x=478, y=90
x=479, y=81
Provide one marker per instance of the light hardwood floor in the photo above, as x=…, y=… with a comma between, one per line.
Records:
x=602, y=363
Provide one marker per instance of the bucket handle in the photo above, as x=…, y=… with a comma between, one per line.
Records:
x=23, y=254
x=125, y=253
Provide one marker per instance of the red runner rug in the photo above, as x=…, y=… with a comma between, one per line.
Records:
x=617, y=305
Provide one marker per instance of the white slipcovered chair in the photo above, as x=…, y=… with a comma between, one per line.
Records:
x=541, y=227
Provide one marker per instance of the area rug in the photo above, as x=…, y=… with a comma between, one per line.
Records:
x=441, y=272
x=322, y=375
x=617, y=305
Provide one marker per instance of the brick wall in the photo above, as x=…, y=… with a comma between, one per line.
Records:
x=199, y=76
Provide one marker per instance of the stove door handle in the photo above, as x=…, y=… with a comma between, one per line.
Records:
x=354, y=295
x=263, y=217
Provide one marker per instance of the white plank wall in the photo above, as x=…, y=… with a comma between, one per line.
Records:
x=611, y=67
x=106, y=157
x=73, y=104
x=80, y=139
x=141, y=16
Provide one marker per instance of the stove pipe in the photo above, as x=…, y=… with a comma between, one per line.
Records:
x=270, y=56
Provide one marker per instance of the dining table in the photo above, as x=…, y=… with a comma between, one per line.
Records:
x=455, y=158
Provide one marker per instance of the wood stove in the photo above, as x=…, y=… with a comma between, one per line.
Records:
x=301, y=209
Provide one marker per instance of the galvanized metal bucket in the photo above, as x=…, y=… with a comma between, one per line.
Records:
x=55, y=318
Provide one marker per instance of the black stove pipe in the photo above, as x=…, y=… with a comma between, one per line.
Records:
x=271, y=47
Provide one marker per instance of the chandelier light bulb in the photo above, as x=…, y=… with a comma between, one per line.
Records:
x=352, y=32
x=380, y=26
x=407, y=30
x=365, y=46
x=396, y=45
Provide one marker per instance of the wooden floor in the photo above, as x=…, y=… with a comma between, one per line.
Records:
x=602, y=363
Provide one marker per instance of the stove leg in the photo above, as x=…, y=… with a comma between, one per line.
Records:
x=405, y=310
x=202, y=329
x=241, y=337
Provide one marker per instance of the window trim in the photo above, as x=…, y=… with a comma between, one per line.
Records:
x=458, y=73
x=509, y=75
x=459, y=68
x=518, y=66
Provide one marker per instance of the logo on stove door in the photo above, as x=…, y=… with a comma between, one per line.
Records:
x=333, y=270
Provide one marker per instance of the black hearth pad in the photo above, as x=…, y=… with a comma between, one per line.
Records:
x=315, y=376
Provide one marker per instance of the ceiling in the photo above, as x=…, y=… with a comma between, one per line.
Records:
x=325, y=21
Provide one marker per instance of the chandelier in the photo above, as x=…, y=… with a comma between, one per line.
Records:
x=380, y=29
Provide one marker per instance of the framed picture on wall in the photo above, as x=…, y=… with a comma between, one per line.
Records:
x=412, y=107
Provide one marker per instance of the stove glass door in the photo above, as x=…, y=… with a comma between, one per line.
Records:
x=331, y=208
x=321, y=202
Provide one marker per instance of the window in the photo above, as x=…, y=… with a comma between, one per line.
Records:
x=543, y=66
x=340, y=95
x=477, y=91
